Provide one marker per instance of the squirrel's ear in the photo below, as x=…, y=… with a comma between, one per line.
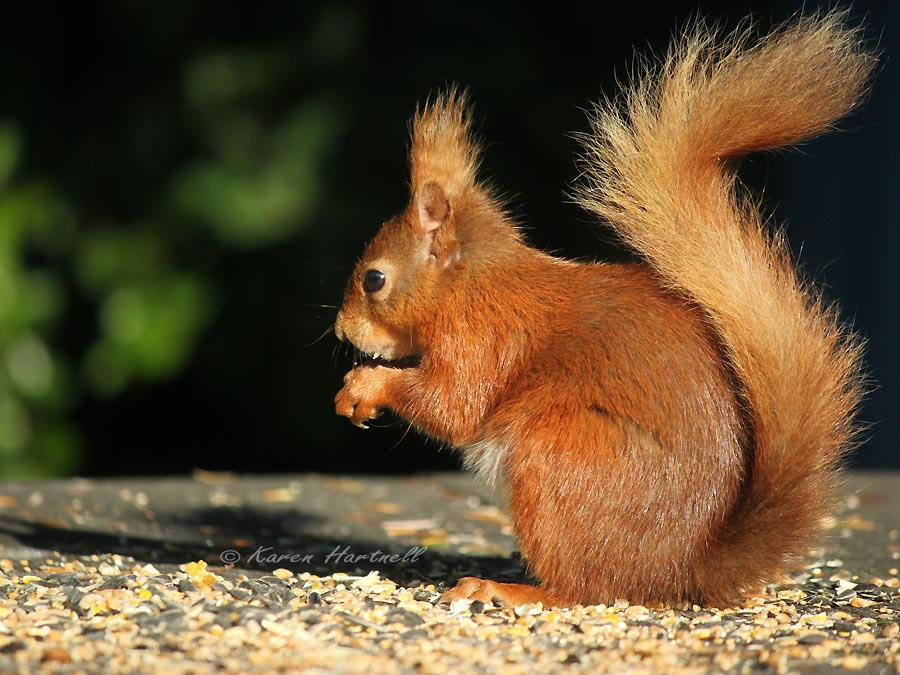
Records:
x=432, y=207
x=443, y=153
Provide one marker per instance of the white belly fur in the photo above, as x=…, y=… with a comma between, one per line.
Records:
x=485, y=459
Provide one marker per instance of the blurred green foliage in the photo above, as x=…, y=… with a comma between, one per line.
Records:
x=36, y=386
x=248, y=179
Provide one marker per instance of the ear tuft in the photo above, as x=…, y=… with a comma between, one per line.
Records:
x=433, y=207
x=442, y=146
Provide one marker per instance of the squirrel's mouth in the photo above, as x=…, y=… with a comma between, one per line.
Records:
x=377, y=359
x=375, y=345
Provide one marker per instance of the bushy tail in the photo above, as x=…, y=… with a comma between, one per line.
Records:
x=658, y=172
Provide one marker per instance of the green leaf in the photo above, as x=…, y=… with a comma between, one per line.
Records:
x=149, y=330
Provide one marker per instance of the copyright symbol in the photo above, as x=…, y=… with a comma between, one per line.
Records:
x=230, y=556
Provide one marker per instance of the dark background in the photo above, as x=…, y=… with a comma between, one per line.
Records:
x=184, y=188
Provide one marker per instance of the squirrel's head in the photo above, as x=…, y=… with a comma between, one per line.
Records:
x=408, y=273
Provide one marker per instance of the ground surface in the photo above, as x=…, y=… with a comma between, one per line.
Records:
x=325, y=574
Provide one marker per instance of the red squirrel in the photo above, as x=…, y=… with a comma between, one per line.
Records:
x=661, y=431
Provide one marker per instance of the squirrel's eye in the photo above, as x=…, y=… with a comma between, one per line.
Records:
x=373, y=281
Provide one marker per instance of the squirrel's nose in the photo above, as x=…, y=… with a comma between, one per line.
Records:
x=338, y=330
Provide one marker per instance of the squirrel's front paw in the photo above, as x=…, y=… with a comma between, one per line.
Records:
x=363, y=394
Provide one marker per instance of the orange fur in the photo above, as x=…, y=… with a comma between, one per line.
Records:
x=660, y=431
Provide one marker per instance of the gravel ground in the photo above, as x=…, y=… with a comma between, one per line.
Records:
x=326, y=574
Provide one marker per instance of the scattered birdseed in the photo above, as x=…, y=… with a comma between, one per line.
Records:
x=74, y=598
